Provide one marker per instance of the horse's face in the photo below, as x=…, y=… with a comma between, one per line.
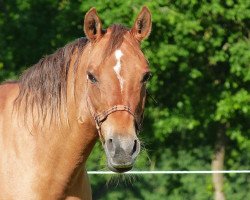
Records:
x=117, y=72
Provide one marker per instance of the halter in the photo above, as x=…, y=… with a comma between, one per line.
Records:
x=101, y=117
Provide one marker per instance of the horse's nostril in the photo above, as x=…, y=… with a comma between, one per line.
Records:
x=134, y=147
x=110, y=146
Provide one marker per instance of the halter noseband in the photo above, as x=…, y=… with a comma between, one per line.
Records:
x=101, y=117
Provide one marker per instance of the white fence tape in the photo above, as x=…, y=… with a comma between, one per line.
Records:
x=176, y=172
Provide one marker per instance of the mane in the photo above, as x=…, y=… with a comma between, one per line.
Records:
x=43, y=86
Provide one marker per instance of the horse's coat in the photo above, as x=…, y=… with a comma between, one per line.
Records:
x=47, y=118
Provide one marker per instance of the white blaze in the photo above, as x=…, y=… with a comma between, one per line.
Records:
x=117, y=67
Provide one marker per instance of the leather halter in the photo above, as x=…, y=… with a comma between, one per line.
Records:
x=101, y=117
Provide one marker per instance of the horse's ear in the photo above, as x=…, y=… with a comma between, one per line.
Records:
x=142, y=25
x=92, y=25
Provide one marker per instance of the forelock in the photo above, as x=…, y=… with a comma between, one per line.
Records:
x=116, y=38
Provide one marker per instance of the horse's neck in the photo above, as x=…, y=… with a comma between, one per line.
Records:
x=60, y=152
x=51, y=153
x=63, y=149
x=54, y=151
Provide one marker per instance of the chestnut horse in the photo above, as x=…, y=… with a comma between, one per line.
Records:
x=53, y=115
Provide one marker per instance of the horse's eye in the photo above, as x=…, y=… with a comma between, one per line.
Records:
x=92, y=78
x=146, y=77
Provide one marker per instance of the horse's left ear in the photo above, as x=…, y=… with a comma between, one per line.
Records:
x=142, y=25
x=92, y=25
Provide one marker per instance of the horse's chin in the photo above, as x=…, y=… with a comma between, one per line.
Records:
x=120, y=169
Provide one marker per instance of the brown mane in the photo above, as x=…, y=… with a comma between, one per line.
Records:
x=43, y=86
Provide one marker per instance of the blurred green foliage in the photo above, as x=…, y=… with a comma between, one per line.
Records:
x=200, y=57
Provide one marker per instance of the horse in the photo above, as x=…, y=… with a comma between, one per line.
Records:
x=94, y=88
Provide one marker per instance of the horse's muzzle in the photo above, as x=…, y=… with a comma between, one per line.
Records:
x=121, y=153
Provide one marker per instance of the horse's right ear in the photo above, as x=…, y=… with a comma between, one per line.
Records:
x=92, y=25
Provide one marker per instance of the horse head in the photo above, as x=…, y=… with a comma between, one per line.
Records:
x=116, y=74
